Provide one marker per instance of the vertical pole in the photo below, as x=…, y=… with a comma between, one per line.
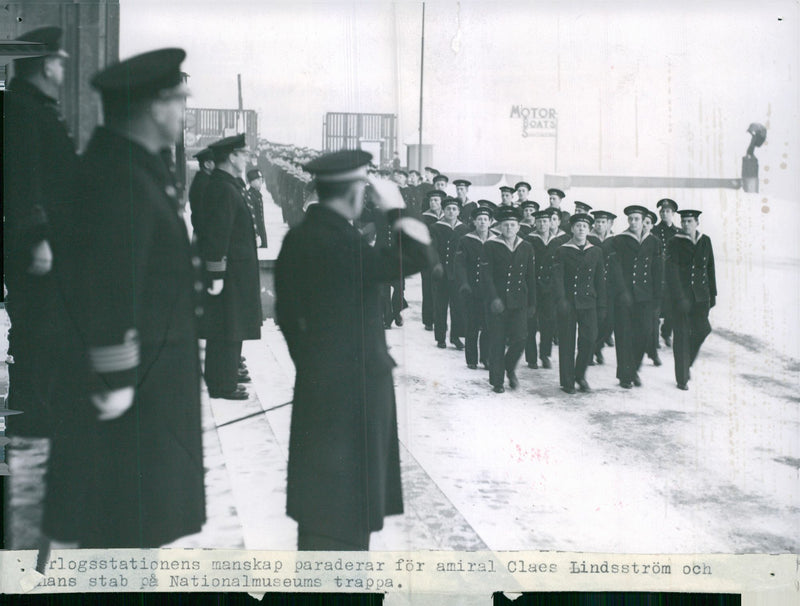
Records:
x=421, y=74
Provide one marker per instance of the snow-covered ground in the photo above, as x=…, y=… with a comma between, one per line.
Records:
x=653, y=469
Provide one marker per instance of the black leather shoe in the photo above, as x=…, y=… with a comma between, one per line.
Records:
x=441, y=345
x=610, y=341
x=683, y=387
x=533, y=365
x=656, y=360
x=499, y=389
x=244, y=379
x=398, y=319
x=584, y=386
x=667, y=340
x=637, y=381
x=472, y=366
x=513, y=382
x=569, y=390
x=387, y=325
x=429, y=327
x=458, y=344
x=626, y=384
x=236, y=394
x=599, y=357
x=546, y=363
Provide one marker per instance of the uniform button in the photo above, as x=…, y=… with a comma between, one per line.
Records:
x=196, y=262
x=170, y=191
x=198, y=311
x=198, y=286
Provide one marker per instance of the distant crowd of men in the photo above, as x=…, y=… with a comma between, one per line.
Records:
x=516, y=279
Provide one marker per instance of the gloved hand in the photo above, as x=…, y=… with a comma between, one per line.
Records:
x=497, y=307
x=113, y=404
x=437, y=272
x=386, y=194
x=216, y=287
x=41, y=259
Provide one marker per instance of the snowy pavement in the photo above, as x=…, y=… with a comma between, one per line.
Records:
x=648, y=470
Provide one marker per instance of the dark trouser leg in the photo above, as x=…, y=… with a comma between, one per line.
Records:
x=427, y=297
x=605, y=328
x=310, y=541
x=623, y=341
x=483, y=342
x=398, y=302
x=700, y=328
x=516, y=329
x=666, y=327
x=440, y=296
x=680, y=345
x=566, y=346
x=587, y=338
x=547, y=326
x=643, y=313
x=457, y=320
x=474, y=310
x=386, y=303
x=497, y=347
x=531, y=351
x=222, y=364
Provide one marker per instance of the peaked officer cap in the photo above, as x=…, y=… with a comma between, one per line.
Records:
x=341, y=166
x=556, y=192
x=667, y=203
x=143, y=76
x=222, y=148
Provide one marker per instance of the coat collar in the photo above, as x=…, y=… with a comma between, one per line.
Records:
x=571, y=244
x=688, y=238
x=475, y=236
x=499, y=240
x=443, y=222
x=538, y=235
x=430, y=213
x=632, y=236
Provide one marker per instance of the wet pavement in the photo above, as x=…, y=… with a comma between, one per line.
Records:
x=648, y=470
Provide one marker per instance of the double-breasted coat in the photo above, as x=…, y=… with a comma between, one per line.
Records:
x=138, y=297
x=229, y=251
x=637, y=269
x=692, y=290
x=39, y=171
x=580, y=290
x=344, y=469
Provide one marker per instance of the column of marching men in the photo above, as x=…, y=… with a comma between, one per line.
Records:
x=108, y=296
x=511, y=278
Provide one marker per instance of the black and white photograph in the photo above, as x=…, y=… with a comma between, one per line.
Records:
x=410, y=276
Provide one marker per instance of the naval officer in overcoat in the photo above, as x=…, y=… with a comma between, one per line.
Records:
x=228, y=244
x=344, y=468
x=138, y=293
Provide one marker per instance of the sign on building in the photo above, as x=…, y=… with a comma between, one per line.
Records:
x=536, y=121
